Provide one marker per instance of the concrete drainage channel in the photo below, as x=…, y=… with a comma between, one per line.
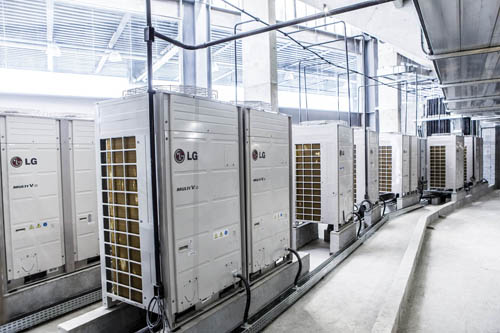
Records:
x=389, y=314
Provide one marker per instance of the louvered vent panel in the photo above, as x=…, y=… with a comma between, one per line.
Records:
x=385, y=168
x=437, y=167
x=308, y=182
x=121, y=218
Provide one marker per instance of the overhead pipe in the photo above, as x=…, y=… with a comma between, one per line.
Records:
x=268, y=28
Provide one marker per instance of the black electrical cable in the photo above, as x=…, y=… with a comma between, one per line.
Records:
x=370, y=205
x=249, y=297
x=360, y=224
x=296, y=281
x=383, y=211
x=160, y=316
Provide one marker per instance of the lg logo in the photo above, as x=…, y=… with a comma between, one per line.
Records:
x=180, y=156
x=17, y=161
x=256, y=154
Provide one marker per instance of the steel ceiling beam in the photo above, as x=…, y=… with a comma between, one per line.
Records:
x=468, y=83
x=483, y=109
x=470, y=99
x=50, y=34
x=116, y=35
x=170, y=52
x=464, y=53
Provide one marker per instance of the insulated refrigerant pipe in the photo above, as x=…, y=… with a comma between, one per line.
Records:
x=149, y=37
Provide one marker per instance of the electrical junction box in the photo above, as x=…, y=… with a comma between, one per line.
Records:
x=360, y=156
x=82, y=166
x=31, y=195
x=323, y=173
x=473, y=158
x=445, y=153
x=267, y=160
x=200, y=201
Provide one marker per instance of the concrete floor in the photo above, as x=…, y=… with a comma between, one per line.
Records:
x=456, y=287
x=349, y=298
x=319, y=251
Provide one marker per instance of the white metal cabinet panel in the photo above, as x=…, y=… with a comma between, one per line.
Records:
x=84, y=193
x=268, y=188
x=478, y=173
x=414, y=164
x=205, y=192
x=445, y=154
x=400, y=162
x=199, y=201
x=32, y=195
x=469, y=157
x=422, y=169
x=406, y=156
x=335, y=147
x=372, y=154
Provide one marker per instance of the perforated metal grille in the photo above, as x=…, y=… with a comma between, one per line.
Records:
x=121, y=218
x=465, y=164
x=437, y=166
x=308, y=182
x=385, y=168
x=354, y=174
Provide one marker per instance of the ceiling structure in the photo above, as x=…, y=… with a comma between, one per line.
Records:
x=463, y=41
x=395, y=23
x=83, y=37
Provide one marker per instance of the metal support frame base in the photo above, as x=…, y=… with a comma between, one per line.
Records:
x=38, y=303
x=373, y=216
x=304, y=234
x=225, y=317
x=478, y=187
x=339, y=240
x=409, y=200
x=458, y=195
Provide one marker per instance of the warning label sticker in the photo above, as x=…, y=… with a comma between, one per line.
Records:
x=220, y=234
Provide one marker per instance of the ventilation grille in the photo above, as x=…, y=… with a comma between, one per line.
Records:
x=385, y=168
x=308, y=182
x=354, y=174
x=465, y=164
x=121, y=218
x=438, y=167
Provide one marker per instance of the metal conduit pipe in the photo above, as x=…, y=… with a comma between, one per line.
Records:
x=267, y=28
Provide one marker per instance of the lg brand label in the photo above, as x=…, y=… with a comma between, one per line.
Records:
x=17, y=161
x=258, y=154
x=180, y=156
